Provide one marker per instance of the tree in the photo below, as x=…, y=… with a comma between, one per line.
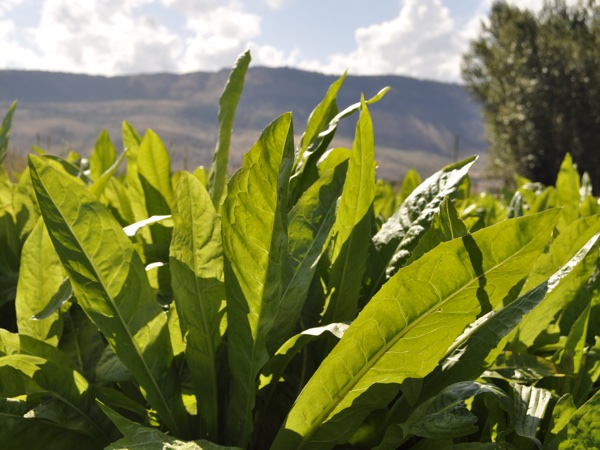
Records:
x=538, y=79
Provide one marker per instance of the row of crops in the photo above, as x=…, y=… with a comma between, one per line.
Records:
x=298, y=304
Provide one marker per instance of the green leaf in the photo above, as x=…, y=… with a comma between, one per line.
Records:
x=275, y=367
x=446, y=416
x=136, y=436
x=110, y=369
x=319, y=119
x=567, y=192
x=560, y=309
x=5, y=130
x=110, y=284
x=154, y=167
x=26, y=209
x=82, y=341
x=479, y=345
x=305, y=171
x=227, y=106
x=410, y=182
x=445, y=226
x=562, y=249
x=530, y=406
x=20, y=431
x=101, y=182
x=154, y=170
x=196, y=263
x=582, y=430
x=61, y=296
x=352, y=228
x=407, y=327
x=310, y=223
x=255, y=246
x=40, y=276
x=131, y=142
x=75, y=407
x=103, y=156
x=393, y=244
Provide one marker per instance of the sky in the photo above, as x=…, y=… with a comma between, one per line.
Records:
x=418, y=38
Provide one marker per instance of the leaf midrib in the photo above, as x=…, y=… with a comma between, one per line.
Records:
x=341, y=395
x=112, y=302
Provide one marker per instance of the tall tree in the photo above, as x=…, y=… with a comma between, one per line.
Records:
x=538, y=79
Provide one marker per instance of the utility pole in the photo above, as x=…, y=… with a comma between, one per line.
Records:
x=456, y=146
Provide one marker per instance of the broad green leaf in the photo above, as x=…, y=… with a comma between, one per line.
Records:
x=407, y=327
x=446, y=415
x=319, y=118
x=227, y=106
x=154, y=166
x=310, y=223
x=154, y=169
x=561, y=414
x=582, y=430
x=445, y=226
x=40, y=277
x=561, y=307
x=546, y=200
x=410, y=182
x=119, y=201
x=26, y=209
x=567, y=192
x=110, y=369
x=81, y=341
x=562, y=249
x=255, y=245
x=5, y=130
x=530, y=406
x=333, y=158
x=275, y=367
x=132, y=141
x=393, y=244
x=103, y=156
x=63, y=294
x=480, y=344
x=75, y=406
x=101, y=182
x=111, y=286
x=19, y=431
x=196, y=264
x=521, y=367
x=352, y=227
x=20, y=344
x=136, y=436
x=75, y=170
x=305, y=170
x=9, y=242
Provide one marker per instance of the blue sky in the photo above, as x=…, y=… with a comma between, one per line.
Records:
x=420, y=38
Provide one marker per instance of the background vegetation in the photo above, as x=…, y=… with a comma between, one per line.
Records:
x=300, y=303
x=538, y=79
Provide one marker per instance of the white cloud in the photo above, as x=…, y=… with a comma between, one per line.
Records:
x=103, y=37
x=275, y=4
x=112, y=37
x=421, y=41
x=218, y=36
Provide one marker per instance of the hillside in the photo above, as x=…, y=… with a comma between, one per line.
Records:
x=415, y=124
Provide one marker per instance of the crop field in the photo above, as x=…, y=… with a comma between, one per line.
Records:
x=298, y=303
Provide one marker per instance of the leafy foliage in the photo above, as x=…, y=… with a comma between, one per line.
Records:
x=537, y=77
x=301, y=303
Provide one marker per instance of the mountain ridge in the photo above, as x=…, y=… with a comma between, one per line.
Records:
x=415, y=123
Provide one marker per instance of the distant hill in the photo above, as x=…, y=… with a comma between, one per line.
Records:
x=415, y=124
